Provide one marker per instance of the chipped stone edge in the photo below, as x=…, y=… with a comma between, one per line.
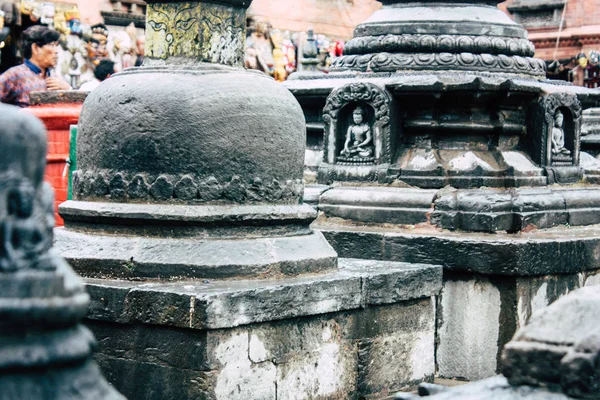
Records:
x=200, y=305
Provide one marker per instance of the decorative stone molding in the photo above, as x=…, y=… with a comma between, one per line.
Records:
x=386, y=62
x=142, y=187
x=365, y=94
x=123, y=19
x=440, y=44
x=328, y=173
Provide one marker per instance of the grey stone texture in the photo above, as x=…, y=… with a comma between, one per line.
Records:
x=45, y=353
x=365, y=330
x=122, y=256
x=560, y=347
x=334, y=356
x=590, y=131
x=562, y=250
x=492, y=283
x=474, y=210
x=555, y=355
x=479, y=314
x=496, y=388
x=226, y=304
x=189, y=136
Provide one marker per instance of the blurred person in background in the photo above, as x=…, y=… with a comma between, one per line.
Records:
x=102, y=72
x=40, y=49
x=140, y=45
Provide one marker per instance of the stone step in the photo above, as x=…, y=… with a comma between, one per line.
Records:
x=560, y=250
x=216, y=304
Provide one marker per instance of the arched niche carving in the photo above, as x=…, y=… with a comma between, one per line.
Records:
x=555, y=143
x=338, y=118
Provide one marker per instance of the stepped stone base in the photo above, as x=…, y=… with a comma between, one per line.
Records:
x=364, y=331
x=492, y=282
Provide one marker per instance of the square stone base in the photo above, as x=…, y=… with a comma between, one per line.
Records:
x=368, y=353
x=363, y=332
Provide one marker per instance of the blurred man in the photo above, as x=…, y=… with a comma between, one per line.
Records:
x=40, y=48
x=102, y=72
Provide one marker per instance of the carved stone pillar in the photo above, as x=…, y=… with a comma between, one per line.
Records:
x=45, y=353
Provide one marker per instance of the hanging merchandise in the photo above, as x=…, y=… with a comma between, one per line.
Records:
x=3, y=31
x=36, y=12
x=339, y=48
x=593, y=57
x=73, y=23
x=48, y=13
x=582, y=60
x=26, y=7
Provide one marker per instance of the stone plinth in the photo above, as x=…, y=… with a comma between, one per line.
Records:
x=492, y=282
x=362, y=331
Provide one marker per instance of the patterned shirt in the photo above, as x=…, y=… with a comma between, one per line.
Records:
x=19, y=81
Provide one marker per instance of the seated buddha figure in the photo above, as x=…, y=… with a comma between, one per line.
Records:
x=558, y=136
x=359, y=139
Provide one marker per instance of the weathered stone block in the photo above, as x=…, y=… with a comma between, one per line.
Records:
x=184, y=349
x=410, y=350
x=371, y=346
x=468, y=330
x=536, y=293
x=155, y=381
x=329, y=373
x=592, y=278
x=479, y=314
x=349, y=244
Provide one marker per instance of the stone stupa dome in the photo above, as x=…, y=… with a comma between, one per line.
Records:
x=208, y=135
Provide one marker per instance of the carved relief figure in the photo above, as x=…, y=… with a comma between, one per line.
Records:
x=27, y=231
x=558, y=137
x=226, y=40
x=359, y=139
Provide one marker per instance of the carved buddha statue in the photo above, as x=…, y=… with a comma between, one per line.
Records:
x=558, y=137
x=359, y=139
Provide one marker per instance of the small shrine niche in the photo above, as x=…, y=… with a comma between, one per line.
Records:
x=355, y=136
x=554, y=128
x=561, y=137
x=357, y=128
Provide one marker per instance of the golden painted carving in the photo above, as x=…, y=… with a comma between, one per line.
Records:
x=205, y=32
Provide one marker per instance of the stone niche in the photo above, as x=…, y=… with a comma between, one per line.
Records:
x=554, y=132
x=358, y=133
